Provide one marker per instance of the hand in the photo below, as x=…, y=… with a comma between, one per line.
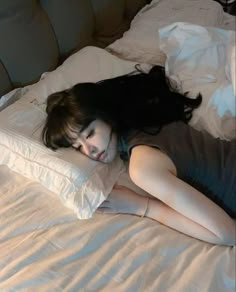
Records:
x=124, y=200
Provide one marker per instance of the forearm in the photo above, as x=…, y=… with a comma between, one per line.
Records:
x=193, y=205
x=124, y=200
x=154, y=172
x=164, y=214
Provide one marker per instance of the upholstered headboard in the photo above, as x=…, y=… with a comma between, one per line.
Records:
x=37, y=35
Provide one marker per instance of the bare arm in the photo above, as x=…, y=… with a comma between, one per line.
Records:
x=162, y=213
x=186, y=209
x=124, y=200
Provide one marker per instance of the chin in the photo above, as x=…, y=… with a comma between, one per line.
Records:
x=109, y=158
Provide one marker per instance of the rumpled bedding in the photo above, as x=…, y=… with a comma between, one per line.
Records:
x=141, y=42
x=44, y=247
x=202, y=59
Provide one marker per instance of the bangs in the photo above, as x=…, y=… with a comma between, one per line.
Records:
x=59, y=135
x=67, y=134
x=63, y=131
x=64, y=123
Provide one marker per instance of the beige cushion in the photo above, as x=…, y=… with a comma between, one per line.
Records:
x=38, y=35
x=73, y=24
x=29, y=44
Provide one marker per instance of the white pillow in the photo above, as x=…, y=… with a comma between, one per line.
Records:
x=201, y=59
x=81, y=183
x=141, y=41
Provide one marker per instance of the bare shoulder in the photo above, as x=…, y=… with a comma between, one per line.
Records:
x=146, y=158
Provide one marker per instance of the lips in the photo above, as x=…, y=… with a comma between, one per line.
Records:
x=101, y=155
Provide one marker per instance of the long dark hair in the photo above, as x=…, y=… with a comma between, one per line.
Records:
x=134, y=101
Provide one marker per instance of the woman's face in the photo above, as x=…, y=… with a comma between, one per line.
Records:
x=97, y=141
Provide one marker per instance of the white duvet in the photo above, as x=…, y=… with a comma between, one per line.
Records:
x=202, y=59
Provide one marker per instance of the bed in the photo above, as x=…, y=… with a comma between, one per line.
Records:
x=51, y=238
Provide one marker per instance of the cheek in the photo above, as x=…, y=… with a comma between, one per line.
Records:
x=103, y=140
x=101, y=143
x=97, y=140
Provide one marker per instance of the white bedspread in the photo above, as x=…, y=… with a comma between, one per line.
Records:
x=44, y=247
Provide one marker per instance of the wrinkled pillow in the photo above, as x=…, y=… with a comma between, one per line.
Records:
x=141, y=42
x=81, y=183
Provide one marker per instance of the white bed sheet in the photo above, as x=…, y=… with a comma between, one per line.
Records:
x=44, y=247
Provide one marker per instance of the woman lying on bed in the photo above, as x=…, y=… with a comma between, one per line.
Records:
x=190, y=174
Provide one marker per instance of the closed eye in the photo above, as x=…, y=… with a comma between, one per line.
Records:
x=91, y=133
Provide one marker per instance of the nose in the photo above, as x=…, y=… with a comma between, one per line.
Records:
x=89, y=150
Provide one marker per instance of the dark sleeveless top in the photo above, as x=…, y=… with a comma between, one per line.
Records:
x=206, y=163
